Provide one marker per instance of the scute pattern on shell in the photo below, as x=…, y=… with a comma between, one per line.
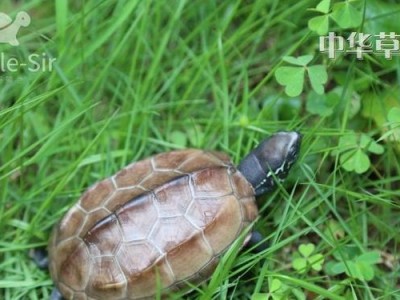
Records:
x=172, y=215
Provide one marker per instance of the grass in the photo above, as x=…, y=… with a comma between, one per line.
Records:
x=135, y=78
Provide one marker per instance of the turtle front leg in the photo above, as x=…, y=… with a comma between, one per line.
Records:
x=257, y=242
x=56, y=295
x=41, y=259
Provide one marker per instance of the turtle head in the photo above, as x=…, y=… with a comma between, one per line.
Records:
x=271, y=160
x=23, y=19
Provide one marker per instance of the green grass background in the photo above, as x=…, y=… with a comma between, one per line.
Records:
x=134, y=78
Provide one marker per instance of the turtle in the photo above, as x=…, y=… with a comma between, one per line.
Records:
x=9, y=29
x=164, y=222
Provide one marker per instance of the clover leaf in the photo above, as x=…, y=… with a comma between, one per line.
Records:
x=345, y=14
x=178, y=138
x=293, y=77
x=323, y=6
x=360, y=267
x=353, y=148
x=298, y=61
x=276, y=291
x=322, y=105
x=355, y=160
x=393, y=126
x=318, y=77
x=320, y=24
x=384, y=110
x=394, y=116
x=308, y=259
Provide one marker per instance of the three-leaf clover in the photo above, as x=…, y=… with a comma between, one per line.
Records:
x=293, y=77
x=344, y=13
x=279, y=291
x=353, y=148
x=322, y=105
x=308, y=259
x=320, y=24
x=276, y=291
x=360, y=267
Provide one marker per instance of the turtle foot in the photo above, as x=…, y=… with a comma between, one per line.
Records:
x=56, y=295
x=40, y=257
x=257, y=242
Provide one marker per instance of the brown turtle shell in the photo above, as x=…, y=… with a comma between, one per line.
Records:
x=167, y=218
